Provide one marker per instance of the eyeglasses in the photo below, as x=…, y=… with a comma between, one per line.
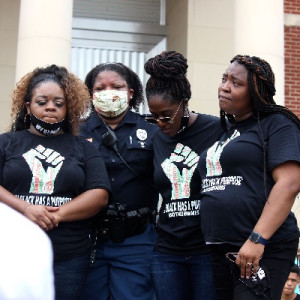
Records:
x=163, y=120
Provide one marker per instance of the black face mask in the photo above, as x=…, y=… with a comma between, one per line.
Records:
x=46, y=128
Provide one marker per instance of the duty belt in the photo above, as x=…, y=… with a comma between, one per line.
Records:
x=119, y=224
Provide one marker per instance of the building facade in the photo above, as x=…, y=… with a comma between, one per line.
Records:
x=79, y=34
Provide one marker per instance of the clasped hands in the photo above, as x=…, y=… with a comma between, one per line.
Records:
x=44, y=216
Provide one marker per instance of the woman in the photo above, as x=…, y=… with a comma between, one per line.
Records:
x=181, y=266
x=250, y=179
x=53, y=177
x=126, y=233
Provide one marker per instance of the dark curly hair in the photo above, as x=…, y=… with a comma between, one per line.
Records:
x=261, y=81
x=75, y=92
x=132, y=79
x=168, y=77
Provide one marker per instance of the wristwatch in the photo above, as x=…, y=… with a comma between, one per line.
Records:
x=257, y=238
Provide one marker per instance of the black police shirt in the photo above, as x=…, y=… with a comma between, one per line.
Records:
x=134, y=144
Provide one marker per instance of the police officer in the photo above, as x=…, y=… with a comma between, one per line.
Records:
x=125, y=233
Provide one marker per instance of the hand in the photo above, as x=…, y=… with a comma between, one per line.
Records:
x=180, y=182
x=57, y=215
x=42, y=216
x=249, y=257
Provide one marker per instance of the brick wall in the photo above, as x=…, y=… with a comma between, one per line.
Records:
x=292, y=59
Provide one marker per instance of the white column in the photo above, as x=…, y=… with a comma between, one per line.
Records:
x=259, y=31
x=45, y=29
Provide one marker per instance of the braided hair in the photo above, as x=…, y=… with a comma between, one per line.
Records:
x=261, y=81
x=168, y=77
x=132, y=79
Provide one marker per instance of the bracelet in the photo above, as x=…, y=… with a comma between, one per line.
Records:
x=26, y=209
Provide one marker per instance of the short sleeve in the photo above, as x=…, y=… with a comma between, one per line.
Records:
x=283, y=142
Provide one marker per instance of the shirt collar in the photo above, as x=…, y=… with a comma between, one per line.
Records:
x=96, y=121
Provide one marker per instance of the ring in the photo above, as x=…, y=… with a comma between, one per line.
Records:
x=249, y=264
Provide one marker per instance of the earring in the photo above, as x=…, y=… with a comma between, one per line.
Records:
x=27, y=119
x=186, y=112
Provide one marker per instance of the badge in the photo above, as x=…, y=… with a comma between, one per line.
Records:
x=141, y=134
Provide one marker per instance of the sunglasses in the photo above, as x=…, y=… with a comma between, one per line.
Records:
x=163, y=120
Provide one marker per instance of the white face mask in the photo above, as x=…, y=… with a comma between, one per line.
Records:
x=110, y=103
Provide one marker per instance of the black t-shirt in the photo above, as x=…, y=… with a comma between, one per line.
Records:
x=135, y=147
x=232, y=173
x=52, y=171
x=176, y=175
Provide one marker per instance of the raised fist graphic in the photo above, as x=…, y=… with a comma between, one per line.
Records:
x=44, y=164
x=213, y=165
x=180, y=181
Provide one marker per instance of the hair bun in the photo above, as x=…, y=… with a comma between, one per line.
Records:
x=167, y=65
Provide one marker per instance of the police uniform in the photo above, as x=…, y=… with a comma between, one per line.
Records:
x=122, y=267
